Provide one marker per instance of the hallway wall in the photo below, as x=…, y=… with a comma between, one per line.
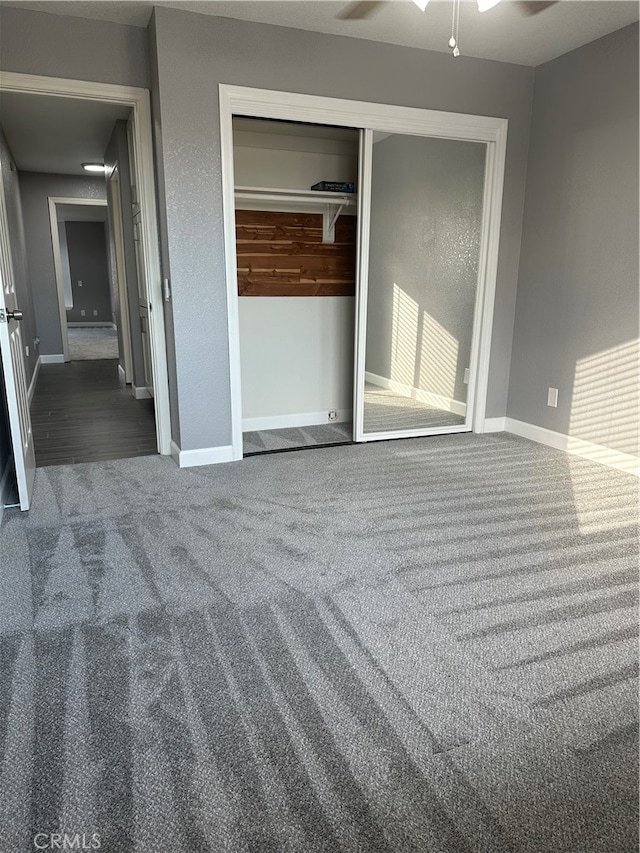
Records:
x=87, y=250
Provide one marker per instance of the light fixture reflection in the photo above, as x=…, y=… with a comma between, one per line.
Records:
x=421, y=4
x=484, y=5
x=94, y=167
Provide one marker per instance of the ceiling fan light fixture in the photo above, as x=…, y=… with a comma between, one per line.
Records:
x=485, y=5
x=421, y=4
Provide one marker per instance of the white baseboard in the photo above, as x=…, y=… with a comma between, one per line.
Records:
x=34, y=379
x=56, y=358
x=202, y=456
x=576, y=446
x=494, y=425
x=141, y=393
x=439, y=401
x=302, y=419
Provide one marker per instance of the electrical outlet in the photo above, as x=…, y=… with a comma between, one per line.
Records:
x=466, y=376
x=82, y=312
x=552, y=398
x=333, y=415
x=79, y=284
x=36, y=342
x=95, y=313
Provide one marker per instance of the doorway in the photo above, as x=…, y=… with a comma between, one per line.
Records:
x=52, y=93
x=463, y=407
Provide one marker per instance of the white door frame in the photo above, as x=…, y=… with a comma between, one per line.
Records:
x=138, y=100
x=263, y=103
x=57, y=258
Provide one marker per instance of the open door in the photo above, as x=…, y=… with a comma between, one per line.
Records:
x=11, y=350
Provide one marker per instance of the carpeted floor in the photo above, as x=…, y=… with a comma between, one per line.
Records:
x=385, y=411
x=424, y=645
x=89, y=343
x=288, y=439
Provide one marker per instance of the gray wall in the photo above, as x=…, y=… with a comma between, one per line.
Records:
x=192, y=54
x=76, y=48
x=577, y=310
x=117, y=154
x=12, y=187
x=35, y=189
x=426, y=219
x=87, y=249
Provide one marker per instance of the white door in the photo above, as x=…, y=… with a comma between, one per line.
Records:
x=15, y=382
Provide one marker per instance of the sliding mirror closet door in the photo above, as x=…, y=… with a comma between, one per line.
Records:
x=417, y=350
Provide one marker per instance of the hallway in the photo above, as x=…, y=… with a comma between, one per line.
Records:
x=82, y=413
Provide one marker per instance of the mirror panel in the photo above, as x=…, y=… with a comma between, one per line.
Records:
x=426, y=221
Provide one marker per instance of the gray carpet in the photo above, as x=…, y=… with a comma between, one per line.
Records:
x=424, y=645
x=288, y=439
x=385, y=411
x=87, y=343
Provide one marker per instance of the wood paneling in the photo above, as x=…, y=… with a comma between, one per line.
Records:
x=282, y=254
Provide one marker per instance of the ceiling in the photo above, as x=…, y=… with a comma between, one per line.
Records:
x=57, y=134
x=502, y=33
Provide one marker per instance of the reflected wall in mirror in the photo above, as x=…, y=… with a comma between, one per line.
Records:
x=426, y=220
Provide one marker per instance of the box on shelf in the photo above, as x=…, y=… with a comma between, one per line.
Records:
x=335, y=186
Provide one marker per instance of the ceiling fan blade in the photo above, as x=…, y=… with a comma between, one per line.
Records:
x=359, y=11
x=534, y=7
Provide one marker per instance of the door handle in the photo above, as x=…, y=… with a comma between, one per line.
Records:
x=5, y=316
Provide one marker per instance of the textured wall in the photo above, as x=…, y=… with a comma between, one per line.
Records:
x=35, y=189
x=191, y=54
x=577, y=310
x=76, y=48
x=87, y=249
x=426, y=218
x=12, y=186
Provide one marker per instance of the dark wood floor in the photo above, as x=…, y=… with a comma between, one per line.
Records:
x=82, y=413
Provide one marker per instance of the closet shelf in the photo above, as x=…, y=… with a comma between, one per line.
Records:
x=331, y=204
x=279, y=196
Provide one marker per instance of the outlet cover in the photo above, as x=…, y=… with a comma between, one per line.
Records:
x=466, y=376
x=82, y=312
x=95, y=313
x=333, y=415
x=26, y=350
x=552, y=398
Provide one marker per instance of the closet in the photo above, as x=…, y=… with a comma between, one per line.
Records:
x=296, y=273
x=369, y=309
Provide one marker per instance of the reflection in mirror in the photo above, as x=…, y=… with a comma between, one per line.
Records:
x=426, y=218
